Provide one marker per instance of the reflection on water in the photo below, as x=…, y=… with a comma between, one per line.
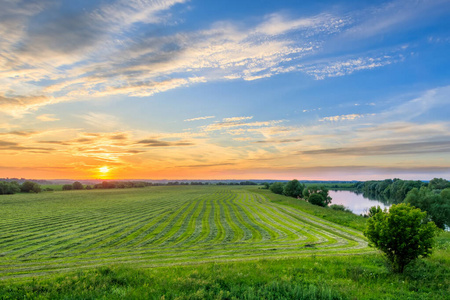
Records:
x=357, y=203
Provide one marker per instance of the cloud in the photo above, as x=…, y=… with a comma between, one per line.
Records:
x=199, y=118
x=235, y=119
x=344, y=117
x=333, y=68
x=159, y=143
x=238, y=123
x=17, y=105
x=20, y=133
x=387, y=149
x=101, y=121
x=47, y=118
x=281, y=141
x=12, y=146
x=50, y=56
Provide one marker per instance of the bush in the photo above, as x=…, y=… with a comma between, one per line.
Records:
x=29, y=187
x=77, y=185
x=340, y=208
x=67, y=187
x=9, y=188
x=277, y=188
x=317, y=199
x=402, y=234
x=293, y=189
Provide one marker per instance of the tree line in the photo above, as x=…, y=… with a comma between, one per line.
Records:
x=432, y=197
x=314, y=194
x=12, y=187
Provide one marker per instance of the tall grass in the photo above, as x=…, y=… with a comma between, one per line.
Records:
x=338, y=277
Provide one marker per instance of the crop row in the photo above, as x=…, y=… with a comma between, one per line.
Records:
x=158, y=226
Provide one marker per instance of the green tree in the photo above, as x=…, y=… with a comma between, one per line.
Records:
x=67, y=187
x=374, y=210
x=438, y=184
x=277, y=187
x=317, y=199
x=403, y=234
x=29, y=186
x=437, y=205
x=77, y=185
x=320, y=190
x=9, y=187
x=293, y=189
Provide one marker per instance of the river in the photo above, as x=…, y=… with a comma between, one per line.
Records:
x=357, y=203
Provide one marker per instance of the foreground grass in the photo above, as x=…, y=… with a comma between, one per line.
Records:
x=340, y=277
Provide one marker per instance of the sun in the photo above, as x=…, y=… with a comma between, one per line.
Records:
x=103, y=170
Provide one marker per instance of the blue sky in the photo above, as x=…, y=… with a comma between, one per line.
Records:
x=225, y=89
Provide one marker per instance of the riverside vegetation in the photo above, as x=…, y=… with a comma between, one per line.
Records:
x=197, y=242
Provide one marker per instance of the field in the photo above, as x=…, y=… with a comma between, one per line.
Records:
x=51, y=232
x=132, y=231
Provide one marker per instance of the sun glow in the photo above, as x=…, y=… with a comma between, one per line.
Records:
x=104, y=170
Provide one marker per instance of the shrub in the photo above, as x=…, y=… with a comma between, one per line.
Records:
x=402, y=234
x=77, y=185
x=340, y=207
x=29, y=186
x=9, y=188
x=277, y=187
x=293, y=189
x=67, y=187
x=317, y=199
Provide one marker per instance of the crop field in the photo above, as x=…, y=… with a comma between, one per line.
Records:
x=158, y=226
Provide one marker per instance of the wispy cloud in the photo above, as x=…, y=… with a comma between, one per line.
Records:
x=345, y=117
x=199, y=118
x=87, y=56
x=159, y=143
x=337, y=68
x=236, y=119
x=102, y=121
x=388, y=149
x=47, y=118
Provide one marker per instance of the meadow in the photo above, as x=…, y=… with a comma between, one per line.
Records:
x=194, y=242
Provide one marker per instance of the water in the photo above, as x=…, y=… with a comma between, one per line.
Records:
x=357, y=203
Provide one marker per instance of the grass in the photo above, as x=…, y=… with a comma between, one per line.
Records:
x=340, y=217
x=336, y=277
x=197, y=242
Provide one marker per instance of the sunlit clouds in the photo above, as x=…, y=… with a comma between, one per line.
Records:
x=161, y=89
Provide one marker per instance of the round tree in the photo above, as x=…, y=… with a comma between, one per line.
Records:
x=402, y=234
x=317, y=199
x=77, y=185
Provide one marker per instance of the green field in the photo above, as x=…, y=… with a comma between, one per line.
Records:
x=59, y=231
x=184, y=228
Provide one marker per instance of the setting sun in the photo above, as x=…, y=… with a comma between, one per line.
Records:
x=103, y=170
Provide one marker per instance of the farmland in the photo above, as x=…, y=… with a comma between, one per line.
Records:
x=52, y=232
x=186, y=240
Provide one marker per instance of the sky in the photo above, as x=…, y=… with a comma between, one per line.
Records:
x=256, y=89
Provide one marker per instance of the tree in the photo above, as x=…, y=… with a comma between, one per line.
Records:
x=9, y=187
x=77, y=185
x=402, y=234
x=374, y=210
x=277, y=187
x=323, y=200
x=437, y=205
x=29, y=186
x=317, y=199
x=438, y=184
x=293, y=189
x=67, y=187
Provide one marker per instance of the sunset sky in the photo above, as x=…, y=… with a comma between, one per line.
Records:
x=175, y=89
